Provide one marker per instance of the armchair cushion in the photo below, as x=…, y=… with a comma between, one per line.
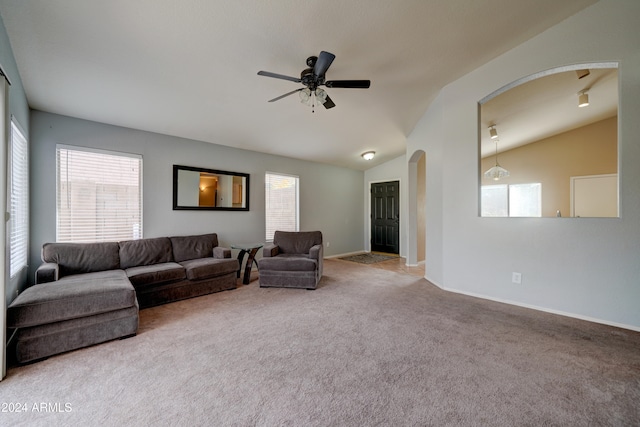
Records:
x=296, y=242
x=289, y=263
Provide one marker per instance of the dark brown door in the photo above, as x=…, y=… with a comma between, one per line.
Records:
x=385, y=217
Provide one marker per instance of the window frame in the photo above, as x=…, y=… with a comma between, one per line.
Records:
x=508, y=208
x=269, y=228
x=136, y=229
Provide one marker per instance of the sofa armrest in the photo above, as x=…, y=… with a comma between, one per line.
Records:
x=270, y=250
x=221, y=252
x=47, y=272
x=315, y=252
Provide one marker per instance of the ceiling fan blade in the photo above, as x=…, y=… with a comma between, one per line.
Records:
x=328, y=103
x=323, y=63
x=350, y=84
x=278, y=76
x=286, y=94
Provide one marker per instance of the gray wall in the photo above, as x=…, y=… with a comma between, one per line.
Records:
x=19, y=108
x=330, y=197
x=584, y=267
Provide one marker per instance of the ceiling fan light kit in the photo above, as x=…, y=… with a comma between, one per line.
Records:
x=312, y=78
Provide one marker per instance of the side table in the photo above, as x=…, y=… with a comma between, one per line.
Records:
x=251, y=249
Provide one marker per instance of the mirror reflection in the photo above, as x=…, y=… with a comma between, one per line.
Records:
x=549, y=145
x=209, y=189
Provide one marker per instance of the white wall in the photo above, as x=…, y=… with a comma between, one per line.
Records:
x=584, y=267
x=330, y=197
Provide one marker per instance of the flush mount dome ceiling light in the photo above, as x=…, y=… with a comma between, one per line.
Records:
x=368, y=155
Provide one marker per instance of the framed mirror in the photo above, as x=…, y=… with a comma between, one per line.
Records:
x=209, y=189
x=549, y=145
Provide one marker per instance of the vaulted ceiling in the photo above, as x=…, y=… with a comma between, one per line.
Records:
x=189, y=68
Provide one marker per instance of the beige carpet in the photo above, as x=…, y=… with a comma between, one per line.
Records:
x=368, y=347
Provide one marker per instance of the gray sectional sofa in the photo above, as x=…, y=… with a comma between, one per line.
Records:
x=88, y=293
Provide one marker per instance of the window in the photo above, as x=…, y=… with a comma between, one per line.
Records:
x=281, y=203
x=521, y=200
x=98, y=195
x=19, y=201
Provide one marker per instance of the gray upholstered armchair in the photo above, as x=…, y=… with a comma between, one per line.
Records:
x=293, y=260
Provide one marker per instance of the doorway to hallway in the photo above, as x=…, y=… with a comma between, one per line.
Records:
x=385, y=217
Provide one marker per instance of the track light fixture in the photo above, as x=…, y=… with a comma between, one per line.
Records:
x=493, y=132
x=582, y=73
x=583, y=99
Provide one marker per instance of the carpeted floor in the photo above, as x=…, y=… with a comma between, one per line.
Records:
x=368, y=258
x=368, y=347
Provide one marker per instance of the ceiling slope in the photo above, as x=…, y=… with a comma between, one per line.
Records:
x=189, y=68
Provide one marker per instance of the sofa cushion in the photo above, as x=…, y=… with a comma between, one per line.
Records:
x=70, y=299
x=75, y=258
x=96, y=275
x=134, y=253
x=296, y=242
x=192, y=247
x=149, y=275
x=204, y=268
x=287, y=263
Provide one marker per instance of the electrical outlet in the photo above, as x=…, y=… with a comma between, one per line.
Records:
x=327, y=244
x=516, y=278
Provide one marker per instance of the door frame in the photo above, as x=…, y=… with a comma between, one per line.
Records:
x=400, y=237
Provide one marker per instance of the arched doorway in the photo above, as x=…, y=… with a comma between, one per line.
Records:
x=417, y=208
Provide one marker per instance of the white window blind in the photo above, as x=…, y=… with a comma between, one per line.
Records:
x=516, y=200
x=19, y=200
x=281, y=204
x=99, y=195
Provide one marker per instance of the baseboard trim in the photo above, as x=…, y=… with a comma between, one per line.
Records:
x=345, y=254
x=418, y=264
x=434, y=283
x=544, y=309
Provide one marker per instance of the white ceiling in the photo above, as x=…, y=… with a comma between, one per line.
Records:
x=188, y=68
x=547, y=105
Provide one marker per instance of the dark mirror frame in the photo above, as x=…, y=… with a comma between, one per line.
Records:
x=177, y=168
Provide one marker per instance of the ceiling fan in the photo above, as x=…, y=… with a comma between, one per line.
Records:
x=314, y=77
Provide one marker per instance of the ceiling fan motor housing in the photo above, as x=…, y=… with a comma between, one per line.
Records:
x=311, y=61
